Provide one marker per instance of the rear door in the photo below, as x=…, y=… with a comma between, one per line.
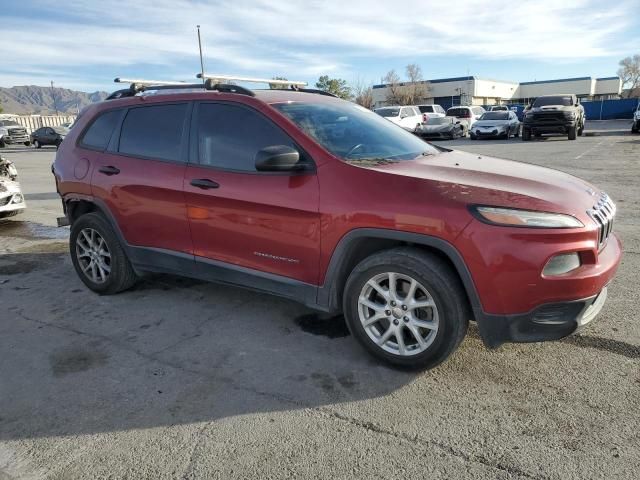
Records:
x=140, y=176
x=264, y=221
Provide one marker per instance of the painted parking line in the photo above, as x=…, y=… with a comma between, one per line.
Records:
x=589, y=150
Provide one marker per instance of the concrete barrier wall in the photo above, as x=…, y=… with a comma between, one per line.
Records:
x=33, y=122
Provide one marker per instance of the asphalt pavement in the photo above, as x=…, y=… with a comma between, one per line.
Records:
x=179, y=378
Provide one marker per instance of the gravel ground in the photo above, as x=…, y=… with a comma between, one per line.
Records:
x=183, y=379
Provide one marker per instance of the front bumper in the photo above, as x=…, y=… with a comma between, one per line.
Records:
x=11, y=140
x=9, y=203
x=550, y=127
x=495, y=132
x=552, y=321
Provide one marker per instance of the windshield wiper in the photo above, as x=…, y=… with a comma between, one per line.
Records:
x=372, y=161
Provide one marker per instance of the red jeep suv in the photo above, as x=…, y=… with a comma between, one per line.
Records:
x=319, y=200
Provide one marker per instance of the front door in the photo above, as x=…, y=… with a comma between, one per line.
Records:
x=263, y=221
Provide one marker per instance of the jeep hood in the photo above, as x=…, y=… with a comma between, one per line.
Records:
x=476, y=179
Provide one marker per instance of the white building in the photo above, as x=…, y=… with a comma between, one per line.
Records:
x=483, y=91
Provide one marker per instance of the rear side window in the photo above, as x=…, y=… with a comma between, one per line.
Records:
x=154, y=132
x=230, y=136
x=99, y=133
x=426, y=108
x=458, y=112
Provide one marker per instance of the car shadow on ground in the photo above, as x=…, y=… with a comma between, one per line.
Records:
x=170, y=351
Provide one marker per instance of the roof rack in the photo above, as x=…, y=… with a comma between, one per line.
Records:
x=230, y=78
x=220, y=83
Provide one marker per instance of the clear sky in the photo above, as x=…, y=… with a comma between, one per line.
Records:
x=84, y=44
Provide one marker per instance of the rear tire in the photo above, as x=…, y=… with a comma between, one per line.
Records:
x=573, y=133
x=440, y=320
x=27, y=144
x=92, y=239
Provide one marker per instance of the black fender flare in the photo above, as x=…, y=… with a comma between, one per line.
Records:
x=328, y=294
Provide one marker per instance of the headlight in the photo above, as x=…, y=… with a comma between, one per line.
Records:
x=17, y=198
x=525, y=218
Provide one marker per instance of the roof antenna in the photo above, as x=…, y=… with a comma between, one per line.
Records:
x=201, y=61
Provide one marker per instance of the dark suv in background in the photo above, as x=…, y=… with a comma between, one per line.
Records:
x=319, y=200
x=554, y=114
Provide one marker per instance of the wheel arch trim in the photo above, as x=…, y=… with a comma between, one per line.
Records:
x=328, y=295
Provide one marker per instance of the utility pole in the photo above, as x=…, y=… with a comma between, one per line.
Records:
x=201, y=61
x=53, y=95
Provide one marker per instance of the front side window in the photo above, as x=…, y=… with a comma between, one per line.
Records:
x=99, y=133
x=230, y=136
x=353, y=133
x=154, y=131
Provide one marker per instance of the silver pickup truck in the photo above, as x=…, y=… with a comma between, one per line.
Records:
x=12, y=133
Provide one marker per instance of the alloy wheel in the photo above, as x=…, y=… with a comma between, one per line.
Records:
x=398, y=313
x=93, y=255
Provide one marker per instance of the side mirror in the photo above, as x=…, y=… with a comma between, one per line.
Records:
x=278, y=158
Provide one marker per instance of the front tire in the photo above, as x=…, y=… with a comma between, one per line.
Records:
x=526, y=134
x=406, y=307
x=36, y=143
x=573, y=133
x=98, y=257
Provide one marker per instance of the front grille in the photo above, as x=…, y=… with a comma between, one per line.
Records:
x=17, y=132
x=5, y=201
x=548, y=116
x=603, y=213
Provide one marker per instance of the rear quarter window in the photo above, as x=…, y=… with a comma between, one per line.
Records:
x=97, y=136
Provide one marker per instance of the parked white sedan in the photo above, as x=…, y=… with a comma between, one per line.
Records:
x=407, y=117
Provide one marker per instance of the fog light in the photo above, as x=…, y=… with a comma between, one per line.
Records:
x=562, y=263
x=17, y=198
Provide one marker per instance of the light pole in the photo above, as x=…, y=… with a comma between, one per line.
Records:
x=53, y=95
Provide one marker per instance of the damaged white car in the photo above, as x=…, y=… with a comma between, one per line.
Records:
x=11, y=198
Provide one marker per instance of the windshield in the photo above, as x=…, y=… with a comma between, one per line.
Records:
x=8, y=123
x=354, y=133
x=544, y=101
x=438, y=121
x=387, y=112
x=495, y=116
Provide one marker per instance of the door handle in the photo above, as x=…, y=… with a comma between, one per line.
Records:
x=109, y=170
x=204, y=183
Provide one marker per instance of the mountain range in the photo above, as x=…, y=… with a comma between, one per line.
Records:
x=29, y=99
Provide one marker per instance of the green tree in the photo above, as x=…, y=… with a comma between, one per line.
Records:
x=336, y=86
